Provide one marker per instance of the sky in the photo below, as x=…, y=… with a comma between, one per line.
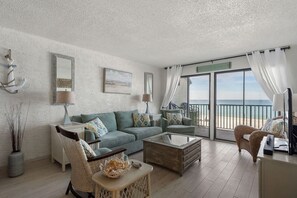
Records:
x=229, y=87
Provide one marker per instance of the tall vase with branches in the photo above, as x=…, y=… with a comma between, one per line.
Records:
x=17, y=125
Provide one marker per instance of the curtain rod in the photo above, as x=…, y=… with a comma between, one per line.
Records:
x=229, y=57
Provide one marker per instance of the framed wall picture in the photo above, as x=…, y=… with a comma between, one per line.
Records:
x=116, y=81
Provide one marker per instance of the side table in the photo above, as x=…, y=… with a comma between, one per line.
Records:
x=135, y=183
x=156, y=119
x=57, y=150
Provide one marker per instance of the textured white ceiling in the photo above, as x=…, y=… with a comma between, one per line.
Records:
x=158, y=32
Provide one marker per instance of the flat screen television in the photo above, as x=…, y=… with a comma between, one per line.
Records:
x=289, y=143
x=288, y=120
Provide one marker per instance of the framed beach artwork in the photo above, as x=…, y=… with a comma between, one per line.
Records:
x=116, y=81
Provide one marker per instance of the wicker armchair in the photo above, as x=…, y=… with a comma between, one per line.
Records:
x=83, y=168
x=249, y=138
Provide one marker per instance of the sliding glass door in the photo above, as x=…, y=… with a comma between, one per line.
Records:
x=239, y=100
x=199, y=93
x=192, y=96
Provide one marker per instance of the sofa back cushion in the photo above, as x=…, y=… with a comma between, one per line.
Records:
x=125, y=119
x=108, y=119
x=76, y=118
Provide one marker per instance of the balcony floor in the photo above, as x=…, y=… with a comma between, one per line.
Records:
x=224, y=134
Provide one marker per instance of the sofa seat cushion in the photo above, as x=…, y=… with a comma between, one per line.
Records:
x=108, y=119
x=116, y=138
x=143, y=132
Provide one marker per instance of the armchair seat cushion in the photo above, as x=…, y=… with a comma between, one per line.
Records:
x=181, y=129
x=101, y=151
x=246, y=137
x=143, y=132
x=116, y=138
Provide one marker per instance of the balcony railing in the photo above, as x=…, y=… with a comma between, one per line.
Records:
x=228, y=116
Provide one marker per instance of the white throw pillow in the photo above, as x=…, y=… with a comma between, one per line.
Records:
x=97, y=126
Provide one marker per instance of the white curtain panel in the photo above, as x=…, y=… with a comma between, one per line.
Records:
x=270, y=70
x=172, y=79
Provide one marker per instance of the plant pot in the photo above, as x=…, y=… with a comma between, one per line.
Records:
x=15, y=164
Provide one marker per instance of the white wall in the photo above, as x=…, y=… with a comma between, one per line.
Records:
x=32, y=55
x=292, y=64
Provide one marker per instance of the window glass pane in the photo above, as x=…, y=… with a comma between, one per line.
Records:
x=230, y=88
x=199, y=90
x=199, y=104
x=254, y=94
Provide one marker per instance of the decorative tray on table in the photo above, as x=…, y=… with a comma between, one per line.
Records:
x=115, y=168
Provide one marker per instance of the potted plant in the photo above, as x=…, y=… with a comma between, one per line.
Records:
x=16, y=125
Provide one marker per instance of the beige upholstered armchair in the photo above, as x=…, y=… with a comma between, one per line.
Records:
x=249, y=138
x=83, y=166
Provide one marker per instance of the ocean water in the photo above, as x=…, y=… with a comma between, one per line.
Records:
x=253, y=109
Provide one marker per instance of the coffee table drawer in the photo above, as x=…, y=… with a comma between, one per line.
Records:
x=192, y=153
x=192, y=147
x=191, y=160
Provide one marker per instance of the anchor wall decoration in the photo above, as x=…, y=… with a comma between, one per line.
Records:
x=10, y=86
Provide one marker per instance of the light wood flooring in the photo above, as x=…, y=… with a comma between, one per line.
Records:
x=222, y=172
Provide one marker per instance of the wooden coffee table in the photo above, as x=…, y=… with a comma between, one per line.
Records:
x=173, y=151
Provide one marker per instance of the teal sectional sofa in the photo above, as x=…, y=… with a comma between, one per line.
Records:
x=121, y=130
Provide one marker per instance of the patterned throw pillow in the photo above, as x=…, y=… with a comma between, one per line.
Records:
x=96, y=126
x=141, y=120
x=174, y=118
x=88, y=150
x=267, y=125
x=277, y=127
